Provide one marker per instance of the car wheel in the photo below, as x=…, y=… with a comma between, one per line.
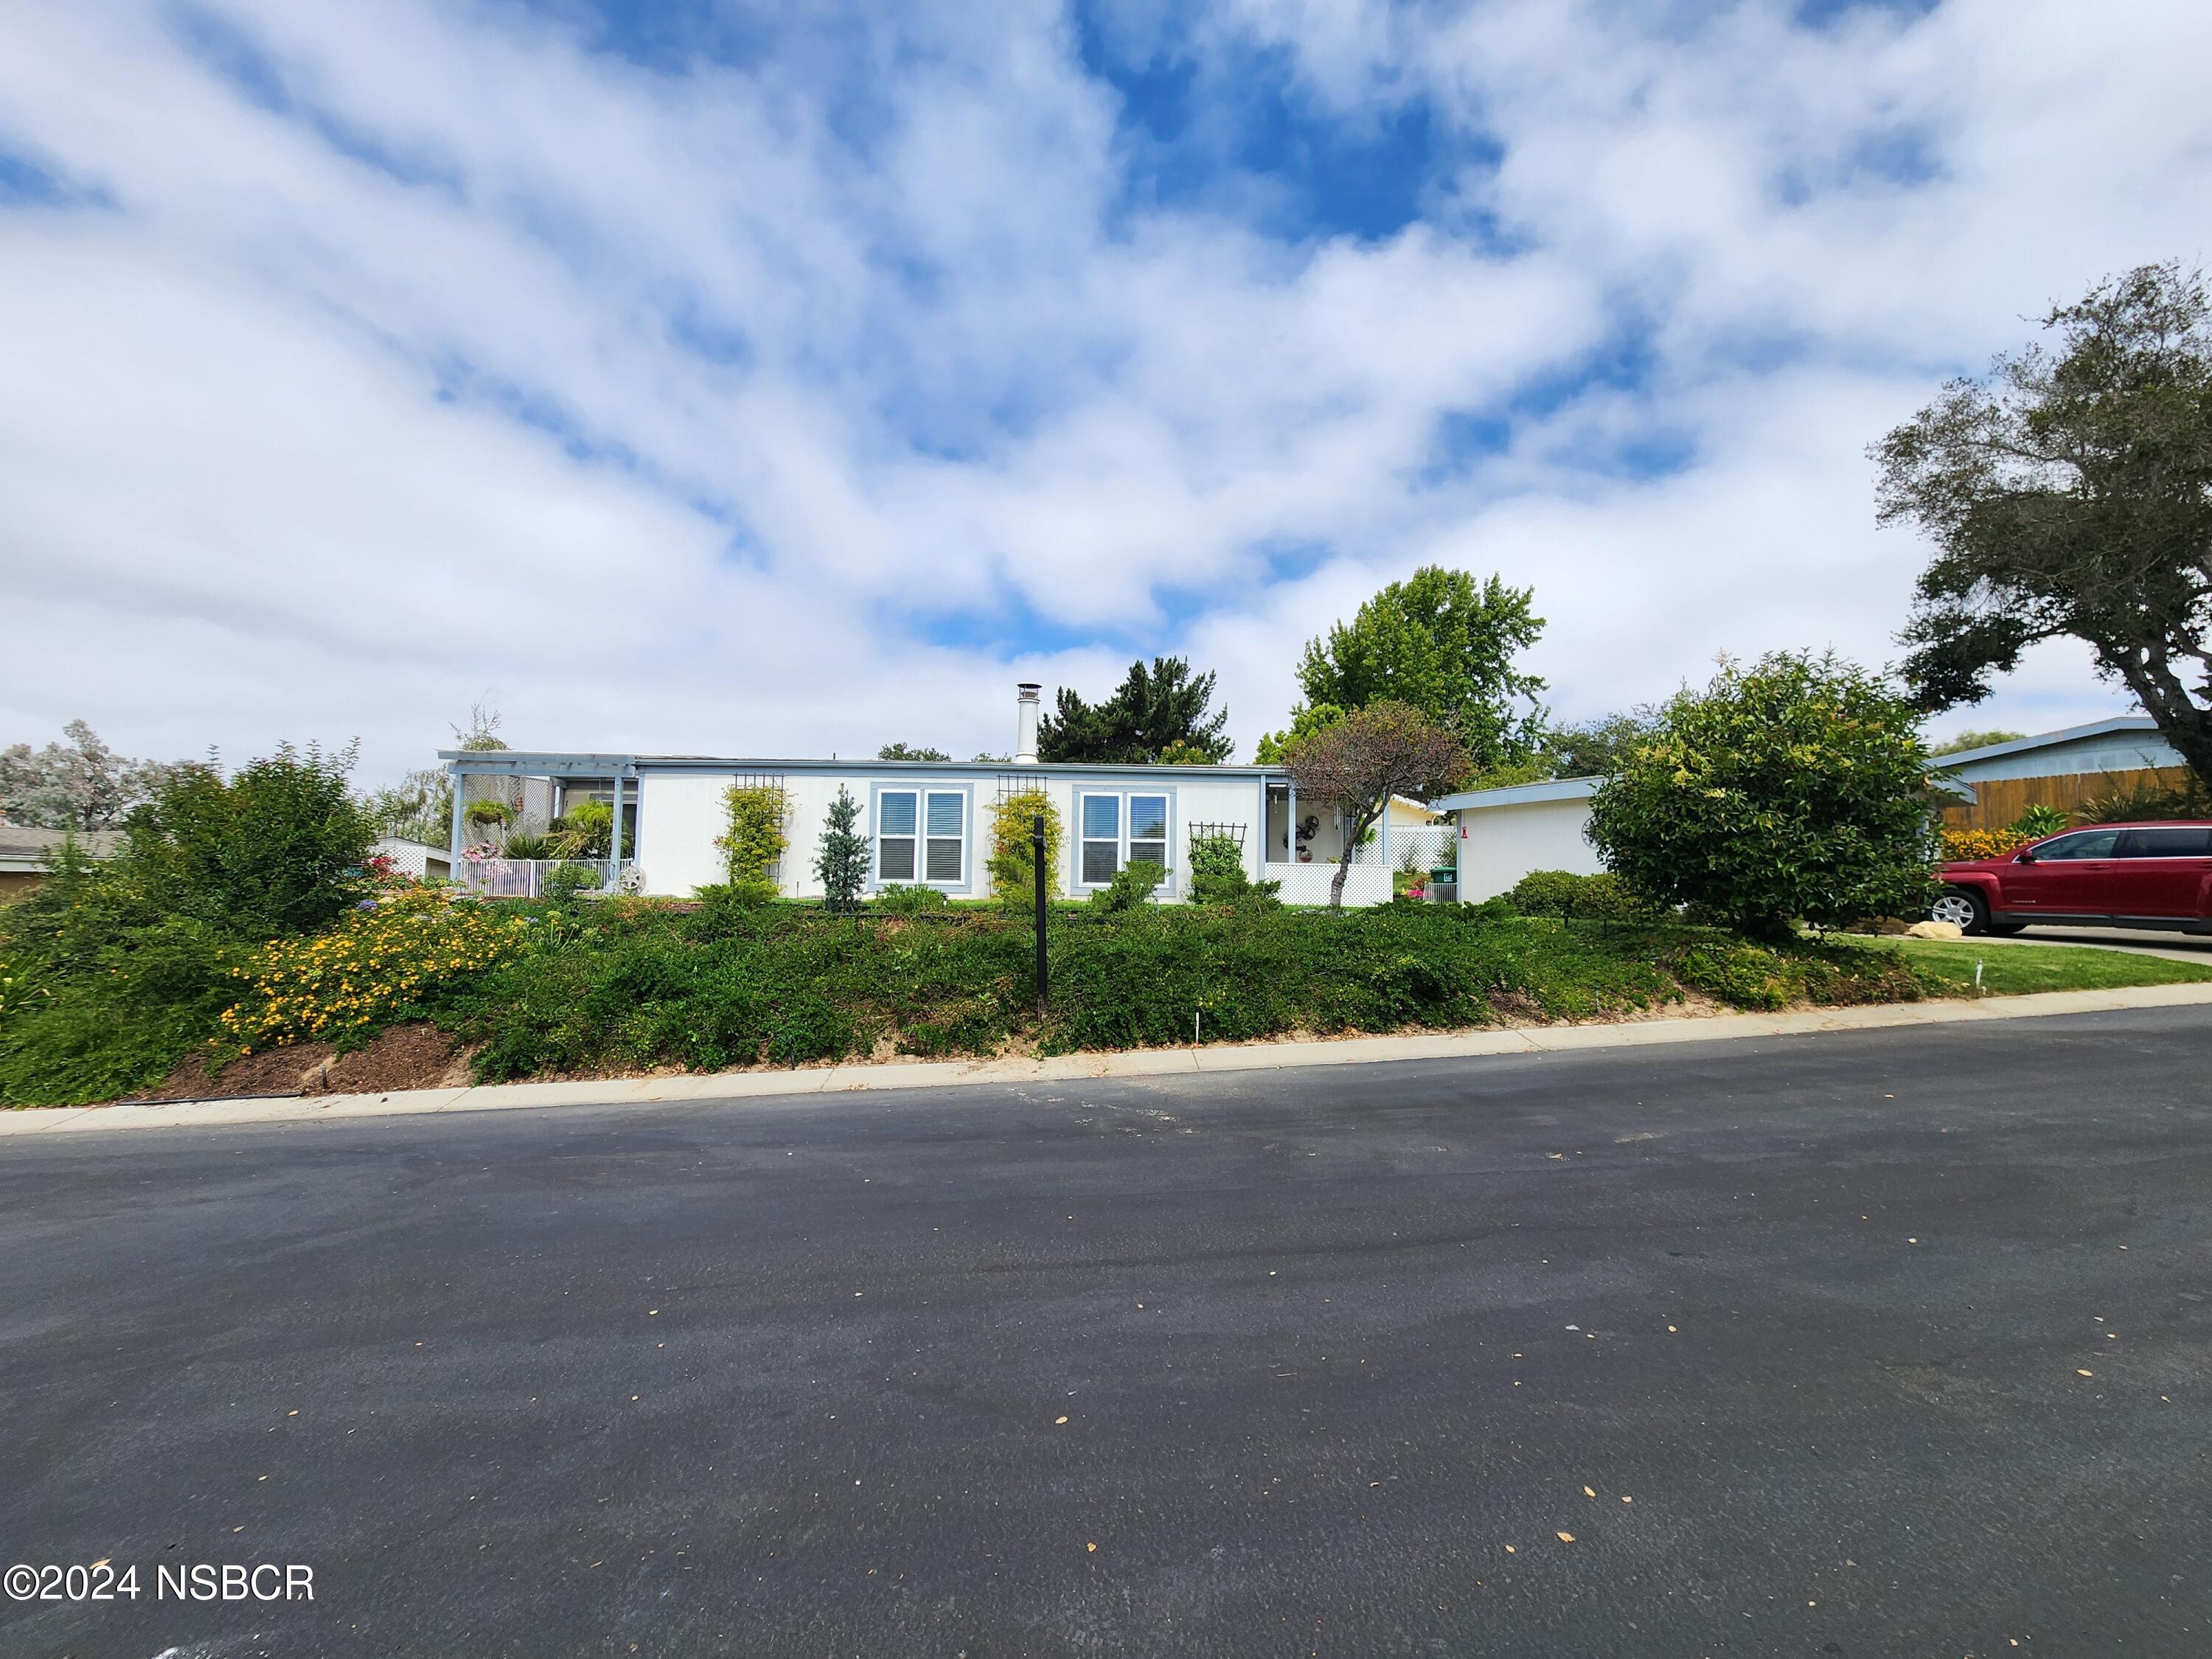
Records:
x=1963, y=908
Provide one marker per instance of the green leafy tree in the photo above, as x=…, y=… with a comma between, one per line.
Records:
x=1305, y=720
x=1598, y=748
x=841, y=860
x=276, y=848
x=1794, y=789
x=908, y=752
x=1154, y=712
x=1357, y=763
x=82, y=784
x=419, y=807
x=1445, y=646
x=1966, y=740
x=2070, y=493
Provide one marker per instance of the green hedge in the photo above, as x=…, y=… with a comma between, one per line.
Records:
x=623, y=985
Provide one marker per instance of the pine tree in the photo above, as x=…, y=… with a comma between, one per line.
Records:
x=842, y=863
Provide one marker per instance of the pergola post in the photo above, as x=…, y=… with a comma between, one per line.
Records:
x=615, y=841
x=453, y=847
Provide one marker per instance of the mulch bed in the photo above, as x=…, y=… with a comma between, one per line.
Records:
x=401, y=1057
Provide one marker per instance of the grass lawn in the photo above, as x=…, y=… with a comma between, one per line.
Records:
x=2010, y=969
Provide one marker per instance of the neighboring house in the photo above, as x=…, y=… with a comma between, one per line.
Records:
x=23, y=854
x=1504, y=834
x=930, y=822
x=2060, y=768
x=412, y=858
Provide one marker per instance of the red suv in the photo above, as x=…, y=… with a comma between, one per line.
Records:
x=2111, y=875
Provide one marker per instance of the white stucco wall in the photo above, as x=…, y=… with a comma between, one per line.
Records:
x=680, y=813
x=1498, y=845
x=678, y=816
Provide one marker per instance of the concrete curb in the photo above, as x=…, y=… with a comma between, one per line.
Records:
x=1141, y=1062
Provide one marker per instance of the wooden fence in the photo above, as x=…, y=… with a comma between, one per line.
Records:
x=1998, y=801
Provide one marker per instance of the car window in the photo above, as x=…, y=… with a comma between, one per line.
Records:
x=2088, y=844
x=2183, y=840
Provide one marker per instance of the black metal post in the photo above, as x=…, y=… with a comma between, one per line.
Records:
x=1036, y=858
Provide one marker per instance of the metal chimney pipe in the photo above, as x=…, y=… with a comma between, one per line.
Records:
x=1025, y=722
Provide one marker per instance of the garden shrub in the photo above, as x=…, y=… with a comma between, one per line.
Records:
x=526, y=845
x=564, y=881
x=1755, y=976
x=1795, y=788
x=379, y=965
x=906, y=901
x=1960, y=844
x=278, y=847
x=1134, y=884
x=1011, y=864
x=585, y=830
x=2147, y=799
x=1218, y=875
x=753, y=839
x=1566, y=897
x=2036, y=820
x=100, y=991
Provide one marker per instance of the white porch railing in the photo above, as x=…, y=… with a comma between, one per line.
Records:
x=526, y=877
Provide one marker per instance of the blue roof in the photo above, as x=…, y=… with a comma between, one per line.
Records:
x=2051, y=739
x=1519, y=794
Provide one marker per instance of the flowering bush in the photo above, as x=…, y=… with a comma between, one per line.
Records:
x=1962, y=844
x=374, y=967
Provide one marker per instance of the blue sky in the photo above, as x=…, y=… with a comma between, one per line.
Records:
x=789, y=378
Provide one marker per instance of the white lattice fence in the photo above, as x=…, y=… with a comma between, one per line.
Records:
x=1431, y=848
x=1308, y=883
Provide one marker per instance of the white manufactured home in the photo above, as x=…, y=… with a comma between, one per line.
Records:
x=931, y=822
x=1507, y=833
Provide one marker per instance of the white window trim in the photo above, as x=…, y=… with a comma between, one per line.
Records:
x=959, y=880
x=964, y=793
x=1123, y=793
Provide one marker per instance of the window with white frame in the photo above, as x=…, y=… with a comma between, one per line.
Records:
x=1148, y=829
x=922, y=835
x=1118, y=829
x=945, y=836
x=1102, y=839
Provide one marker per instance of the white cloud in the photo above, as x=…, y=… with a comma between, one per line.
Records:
x=681, y=409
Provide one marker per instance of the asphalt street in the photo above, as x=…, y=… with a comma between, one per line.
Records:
x=1877, y=1343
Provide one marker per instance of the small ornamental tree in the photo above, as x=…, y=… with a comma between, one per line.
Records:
x=1012, y=863
x=841, y=861
x=1794, y=789
x=1356, y=764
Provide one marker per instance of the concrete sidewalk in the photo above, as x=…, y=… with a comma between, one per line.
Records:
x=1142, y=1063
